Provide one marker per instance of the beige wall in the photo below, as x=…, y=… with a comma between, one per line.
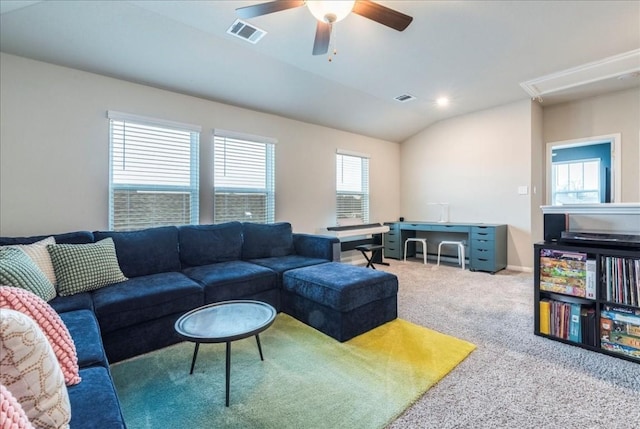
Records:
x=54, y=151
x=537, y=172
x=54, y=155
x=613, y=113
x=475, y=163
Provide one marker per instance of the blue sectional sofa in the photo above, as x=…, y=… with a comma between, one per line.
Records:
x=170, y=270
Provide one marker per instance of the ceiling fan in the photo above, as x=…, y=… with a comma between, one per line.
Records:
x=328, y=13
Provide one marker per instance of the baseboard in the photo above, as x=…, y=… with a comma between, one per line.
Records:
x=520, y=268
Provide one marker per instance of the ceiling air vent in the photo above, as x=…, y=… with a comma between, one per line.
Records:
x=404, y=98
x=246, y=31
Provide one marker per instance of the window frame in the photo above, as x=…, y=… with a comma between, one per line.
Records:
x=269, y=189
x=363, y=192
x=192, y=189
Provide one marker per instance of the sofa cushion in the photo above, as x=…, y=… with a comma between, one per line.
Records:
x=84, y=329
x=12, y=415
x=94, y=402
x=85, y=267
x=18, y=269
x=266, y=240
x=145, y=298
x=79, y=301
x=232, y=280
x=30, y=370
x=40, y=256
x=208, y=244
x=144, y=252
x=284, y=263
x=76, y=237
x=340, y=286
x=50, y=324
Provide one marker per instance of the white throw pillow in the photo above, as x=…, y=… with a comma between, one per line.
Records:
x=30, y=371
x=40, y=255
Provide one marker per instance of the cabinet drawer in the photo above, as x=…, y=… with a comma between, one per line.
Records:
x=485, y=234
x=392, y=252
x=390, y=242
x=450, y=228
x=481, y=264
x=415, y=227
x=483, y=253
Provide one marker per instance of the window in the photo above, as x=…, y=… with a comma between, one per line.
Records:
x=570, y=175
x=244, y=178
x=153, y=172
x=576, y=182
x=352, y=187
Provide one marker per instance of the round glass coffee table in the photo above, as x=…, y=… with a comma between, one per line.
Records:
x=224, y=322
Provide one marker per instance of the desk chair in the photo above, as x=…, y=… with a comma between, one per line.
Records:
x=417, y=240
x=374, y=249
x=460, y=245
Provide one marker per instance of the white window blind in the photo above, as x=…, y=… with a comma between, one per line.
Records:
x=352, y=187
x=244, y=178
x=153, y=173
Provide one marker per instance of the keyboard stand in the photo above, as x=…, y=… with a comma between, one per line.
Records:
x=374, y=249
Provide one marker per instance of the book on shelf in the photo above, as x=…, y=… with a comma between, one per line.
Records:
x=563, y=272
x=569, y=321
x=545, y=316
x=621, y=278
x=588, y=325
x=620, y=330
x=591, y=279
x=575, y=333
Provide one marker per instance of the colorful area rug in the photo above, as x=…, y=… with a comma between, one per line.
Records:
x=307, y=380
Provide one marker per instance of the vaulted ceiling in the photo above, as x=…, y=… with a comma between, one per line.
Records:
x=474, y=52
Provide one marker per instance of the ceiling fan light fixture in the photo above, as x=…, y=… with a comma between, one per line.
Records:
x=330, y=11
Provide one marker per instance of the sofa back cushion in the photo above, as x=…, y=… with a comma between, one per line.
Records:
x=144, y=252
x=210, y=244
x=267, y=240
x=77, y=237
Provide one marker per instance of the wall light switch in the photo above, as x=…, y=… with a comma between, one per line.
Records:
x=523, y=190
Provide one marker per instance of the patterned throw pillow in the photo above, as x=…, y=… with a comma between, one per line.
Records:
x=85, y=267
x=50, y=323
x=30, y=371
x=17, y=269
x=12, y=416
x=40, y=255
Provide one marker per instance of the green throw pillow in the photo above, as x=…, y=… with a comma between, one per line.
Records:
x=18, y=269
x=85, y=267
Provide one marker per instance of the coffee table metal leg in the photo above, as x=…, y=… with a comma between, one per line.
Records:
x=228, y=370
x=195, y=355
x=259, y=346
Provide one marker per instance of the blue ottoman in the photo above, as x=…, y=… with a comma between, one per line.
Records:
x=340, y=300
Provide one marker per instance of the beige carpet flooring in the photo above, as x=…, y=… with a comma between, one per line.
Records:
x=513, y=379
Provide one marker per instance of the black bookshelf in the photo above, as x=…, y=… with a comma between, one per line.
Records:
x=599, y=311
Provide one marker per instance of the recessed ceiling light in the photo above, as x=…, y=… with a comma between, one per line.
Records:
x=442, y=101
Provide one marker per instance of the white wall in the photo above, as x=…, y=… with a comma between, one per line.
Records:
x=475, y=162
x=54, y=151
x=617, y=112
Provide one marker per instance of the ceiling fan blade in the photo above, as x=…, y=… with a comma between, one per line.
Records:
x=382, y=14
x=323, y=36
x=266, y=8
